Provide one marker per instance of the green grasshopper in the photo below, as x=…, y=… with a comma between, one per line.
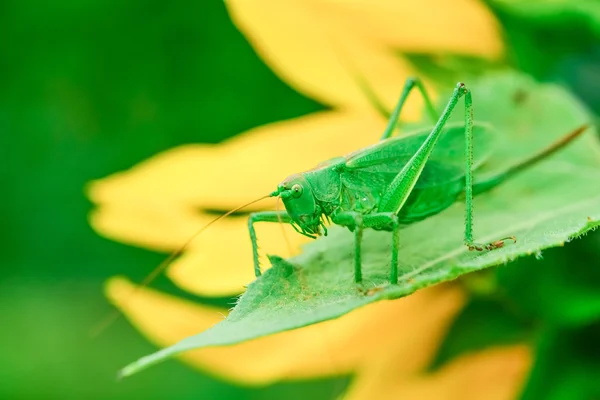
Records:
x=397, y=181
x=393, y=183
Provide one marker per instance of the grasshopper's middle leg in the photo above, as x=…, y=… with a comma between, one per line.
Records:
x=263, y=216
x=381, y=221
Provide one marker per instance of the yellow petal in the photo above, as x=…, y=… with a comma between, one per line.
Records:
x=218, y=263
x=492, y=374
x=221, y=264
x=157, y=226
x=431, y=26
x=242, y=168
x=155, y=204
x=333, y=347
x=318, y=46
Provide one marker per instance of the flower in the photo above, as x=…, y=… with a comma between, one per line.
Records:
x=319, y=47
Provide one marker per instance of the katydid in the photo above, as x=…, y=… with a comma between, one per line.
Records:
x=397, y=181
x=393, y=183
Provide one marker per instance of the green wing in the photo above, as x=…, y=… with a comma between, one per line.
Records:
x=446, y=163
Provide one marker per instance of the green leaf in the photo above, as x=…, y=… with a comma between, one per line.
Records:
x=545, y=206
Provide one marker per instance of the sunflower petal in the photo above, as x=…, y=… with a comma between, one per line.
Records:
x=319, y=47
x=242, y=168
x=331, y=348
x=209, y=266
x=495, y=374
x=220, y=264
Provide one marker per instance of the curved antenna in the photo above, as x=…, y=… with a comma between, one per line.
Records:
x=110, y=319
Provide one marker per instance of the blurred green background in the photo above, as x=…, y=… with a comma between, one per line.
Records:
x=88, y=89
x=91, y=88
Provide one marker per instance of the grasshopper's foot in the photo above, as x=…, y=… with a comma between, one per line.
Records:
x=492, y=245
x=371, y=291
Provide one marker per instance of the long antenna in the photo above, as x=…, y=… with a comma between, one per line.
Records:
x=110, y=319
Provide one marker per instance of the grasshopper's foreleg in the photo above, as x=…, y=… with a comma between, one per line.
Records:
x=395, y=115
x=381, y=221
x=263, y=216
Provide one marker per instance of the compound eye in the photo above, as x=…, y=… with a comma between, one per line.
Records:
x=297, y=190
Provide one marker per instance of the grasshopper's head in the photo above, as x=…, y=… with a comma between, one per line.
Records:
x=300, y=204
